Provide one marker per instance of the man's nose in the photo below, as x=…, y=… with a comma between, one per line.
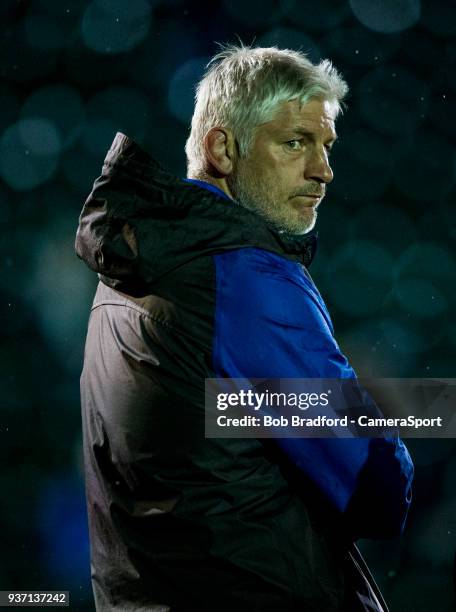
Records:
x=318, y=168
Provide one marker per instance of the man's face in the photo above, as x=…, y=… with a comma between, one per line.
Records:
x=284, y=176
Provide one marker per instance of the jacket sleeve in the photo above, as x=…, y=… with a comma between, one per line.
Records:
x=271, y=322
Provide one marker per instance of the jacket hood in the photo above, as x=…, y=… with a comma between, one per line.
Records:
x=140, y=222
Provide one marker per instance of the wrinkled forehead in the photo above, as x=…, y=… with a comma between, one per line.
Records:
x=315, y=111
x=316, y=115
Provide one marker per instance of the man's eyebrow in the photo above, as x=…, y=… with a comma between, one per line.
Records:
x=303, y=132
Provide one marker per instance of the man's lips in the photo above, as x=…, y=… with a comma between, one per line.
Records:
x=310, y=196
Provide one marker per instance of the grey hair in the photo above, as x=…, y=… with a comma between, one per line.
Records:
x=243, y=86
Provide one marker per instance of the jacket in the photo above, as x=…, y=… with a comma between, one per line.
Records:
x=193, y=286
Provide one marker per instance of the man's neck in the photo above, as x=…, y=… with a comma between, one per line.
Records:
x=219, y=183
x=209, y=187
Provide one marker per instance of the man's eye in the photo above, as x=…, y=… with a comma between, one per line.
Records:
x=294, y=144
x=328, y=149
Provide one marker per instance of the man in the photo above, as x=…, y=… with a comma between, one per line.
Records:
x=208, y=277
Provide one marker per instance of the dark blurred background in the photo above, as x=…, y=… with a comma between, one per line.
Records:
x=73, y=73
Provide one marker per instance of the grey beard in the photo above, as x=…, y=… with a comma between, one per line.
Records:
x=256, y=205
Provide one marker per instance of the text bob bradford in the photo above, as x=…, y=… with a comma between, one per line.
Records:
x=324, y=421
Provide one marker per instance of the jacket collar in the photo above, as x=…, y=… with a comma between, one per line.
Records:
x=304, y=246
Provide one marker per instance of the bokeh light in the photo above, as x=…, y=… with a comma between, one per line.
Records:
x=357, y=46
x=61, y=105
x=80, y=167
x=380, y=221
x=290, y=38
x=29, y=153
x=360, y=276
x=19, y=59
x=56, y=270
x=422, y=279
x=427, y=260
x=392, y=99
x=356, y=180
x=156, y=60
x=427, y=176
x=420, y=297
x=403, y=337
x=114, y=26
x=435, y=532
x=255, y=13
x=330, y=13
x=39, y=136
x=115, y=109
x=386, y=16
x=372, y=346
x=162, y=134
x=369, y=147
x=181, y=91
x=99, y=134
x=447, y=213
x=88, y=69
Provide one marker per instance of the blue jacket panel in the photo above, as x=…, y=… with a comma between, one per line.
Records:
x=271, y=322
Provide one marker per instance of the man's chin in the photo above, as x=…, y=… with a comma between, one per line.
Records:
x=303, y=225
x=301, y=222
x=297, y=229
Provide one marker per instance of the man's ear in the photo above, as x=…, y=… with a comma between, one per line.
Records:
x=220, y=147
